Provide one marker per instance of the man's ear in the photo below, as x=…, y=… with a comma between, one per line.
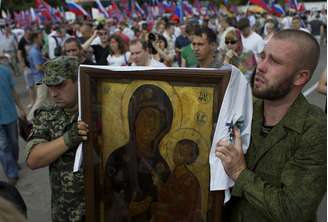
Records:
x=302, y=77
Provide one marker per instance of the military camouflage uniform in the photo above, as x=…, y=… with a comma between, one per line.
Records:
x=51, y=122
x=67, y=198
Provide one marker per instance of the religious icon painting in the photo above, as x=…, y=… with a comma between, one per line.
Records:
x=147, y=154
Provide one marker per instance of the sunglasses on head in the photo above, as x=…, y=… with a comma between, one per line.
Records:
x=232, y=42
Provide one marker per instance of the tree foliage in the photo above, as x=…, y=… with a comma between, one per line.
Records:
x=15, y=5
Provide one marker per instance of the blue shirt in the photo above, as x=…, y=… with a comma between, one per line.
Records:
x=35, y=58
x=8, y=111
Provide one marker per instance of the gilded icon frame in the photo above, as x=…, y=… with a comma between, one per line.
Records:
x=196, y=96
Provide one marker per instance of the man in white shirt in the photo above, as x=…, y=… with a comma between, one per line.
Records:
x=140, y=55
x=250, y=39
x=9, y=45
x=55, y=39
x=286, y=21
x=170, y=37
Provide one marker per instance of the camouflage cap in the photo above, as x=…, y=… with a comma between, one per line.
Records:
x=59, y=69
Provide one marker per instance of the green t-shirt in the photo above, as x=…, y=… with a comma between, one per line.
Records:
x=189, y=56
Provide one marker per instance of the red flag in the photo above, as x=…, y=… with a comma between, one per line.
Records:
x=113, y=10
x=301, y=7
x=44, y=9
x=38, y=3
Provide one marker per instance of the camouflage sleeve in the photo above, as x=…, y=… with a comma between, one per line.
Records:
x=30, y=144
x=40, y=131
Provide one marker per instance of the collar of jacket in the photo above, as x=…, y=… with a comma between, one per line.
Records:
x=292, y=120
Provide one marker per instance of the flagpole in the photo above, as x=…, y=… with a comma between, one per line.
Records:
x=247, y=7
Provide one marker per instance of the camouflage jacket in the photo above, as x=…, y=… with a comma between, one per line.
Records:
x=285, y=178
x=67, y=198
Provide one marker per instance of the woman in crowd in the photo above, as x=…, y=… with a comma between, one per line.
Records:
x=269, y=30
x=161, y=52
x=237, y=55
x=118, y=55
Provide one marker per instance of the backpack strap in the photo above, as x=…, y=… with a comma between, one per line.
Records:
x=57, y=43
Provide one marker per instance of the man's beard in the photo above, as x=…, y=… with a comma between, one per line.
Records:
x=277, y=91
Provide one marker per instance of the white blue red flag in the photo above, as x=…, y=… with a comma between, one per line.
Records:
x=277, y=10
x=187, y=8
x=139, y=10
x=102, y=8
x=76, y=9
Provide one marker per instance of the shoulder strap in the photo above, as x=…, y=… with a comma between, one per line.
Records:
x=57, y=44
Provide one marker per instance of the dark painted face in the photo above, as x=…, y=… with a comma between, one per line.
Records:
x=148, y=126
x=184, y=153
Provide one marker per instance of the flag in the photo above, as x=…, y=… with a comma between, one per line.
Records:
x=197, y=6
x=179, y=11
x=17, y=18
x=149, y=11
x=139, y=10
x=114, y=11
x=292, y=4
x=102, y=9
x=58, y=14
x=169, y=7
x=173, y=8
x=187, y=8
x=76, y=8
x=212, y=9
x=20, y=18
x=277, y=10
x=38, y=3
x=3, y=14
x=43, y=10
x=126, y=6
x=23, y=20
x=7, y=16
x=124, y=2
x=301, y=7
x=261, y=3
x=47, y=12
x=160, y=8
x=27, y=17
x=33, y=15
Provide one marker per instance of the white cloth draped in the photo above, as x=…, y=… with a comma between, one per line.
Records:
x=237, y=105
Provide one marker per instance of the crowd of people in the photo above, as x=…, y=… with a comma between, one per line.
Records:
x=265, y=48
